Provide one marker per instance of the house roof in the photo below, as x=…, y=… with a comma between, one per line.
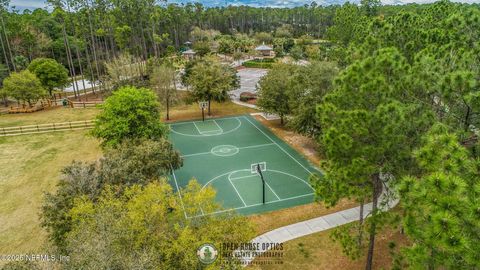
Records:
x=263, y=47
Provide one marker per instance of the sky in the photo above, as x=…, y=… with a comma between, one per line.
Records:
x=32, y=4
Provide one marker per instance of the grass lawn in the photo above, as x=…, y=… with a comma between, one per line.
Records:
x=268, y=221
x=30, y=166
x=55, y=115
x=60, y=114
x=304, y=145
x=192, y=111
x=318, y=251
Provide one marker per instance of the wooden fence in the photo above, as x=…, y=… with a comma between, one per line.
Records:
x=84, y=104
x=44, y=128
x=40, y=105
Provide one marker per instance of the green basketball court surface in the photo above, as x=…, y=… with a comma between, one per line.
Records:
x=220, y=152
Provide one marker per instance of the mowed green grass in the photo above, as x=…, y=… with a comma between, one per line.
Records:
x=56, y=115
x=29, y=166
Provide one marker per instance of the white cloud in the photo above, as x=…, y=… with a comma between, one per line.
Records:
x=31, y=4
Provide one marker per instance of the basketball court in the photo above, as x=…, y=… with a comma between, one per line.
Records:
x=233, y=154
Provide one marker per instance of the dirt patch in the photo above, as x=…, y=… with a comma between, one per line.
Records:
x=304, y=145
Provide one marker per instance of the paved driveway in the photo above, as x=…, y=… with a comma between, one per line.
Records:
x=249, y=78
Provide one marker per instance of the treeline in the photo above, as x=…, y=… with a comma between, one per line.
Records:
x=83, y=35
x=96, y=32
x=401, y=114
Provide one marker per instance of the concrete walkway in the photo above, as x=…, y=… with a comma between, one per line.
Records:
x=238, y=102
x=386, y=201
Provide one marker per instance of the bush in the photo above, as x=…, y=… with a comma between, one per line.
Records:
x=260, y=63
x=133, y=162
x=129, y=113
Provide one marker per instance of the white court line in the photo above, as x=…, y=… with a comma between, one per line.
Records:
x=257, y=204
x=253, y=175
x=218, y=131
x=242, y=177
x=245, y=147
x=238, y=193
x=204, y=134
x=188, y=122
x=277, y=144
x=308, y=185
x=199, y=132
x=178, y=191
x=272, y=190
x=258, y=145
x=218, y=126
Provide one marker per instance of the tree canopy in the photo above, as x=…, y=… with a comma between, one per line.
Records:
x=441, y=207
x=366, y=132
x=274, y=88
x=211, y=81
x=129, y=113
x=146, y=228
x=50, y=73
x=133, y=162
x=163, y=81
x=24, y=86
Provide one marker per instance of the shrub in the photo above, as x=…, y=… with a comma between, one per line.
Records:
x=129, y=113
x=260, y=63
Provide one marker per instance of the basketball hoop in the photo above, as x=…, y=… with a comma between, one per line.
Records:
x=258, y=168
x=203, y=105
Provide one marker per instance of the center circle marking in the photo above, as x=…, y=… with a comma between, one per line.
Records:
x=224, y=150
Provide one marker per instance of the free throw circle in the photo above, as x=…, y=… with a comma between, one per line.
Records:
x=224, y=150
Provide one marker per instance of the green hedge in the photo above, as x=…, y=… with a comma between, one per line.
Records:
x=259, y=63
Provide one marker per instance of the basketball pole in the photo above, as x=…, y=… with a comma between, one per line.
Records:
x=203, y=114
x=263, y=181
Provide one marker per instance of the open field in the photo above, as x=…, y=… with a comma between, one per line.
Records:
x=55, y=115
x=30, y=166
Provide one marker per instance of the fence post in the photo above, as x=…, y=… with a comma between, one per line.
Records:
x=4, y=132
x=84, y=104
x=21, y=130
x=85, y=123
x=53, y=126
x=70, y=123
x=38, y=130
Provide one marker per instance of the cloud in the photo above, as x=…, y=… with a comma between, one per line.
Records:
x=28, y=4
